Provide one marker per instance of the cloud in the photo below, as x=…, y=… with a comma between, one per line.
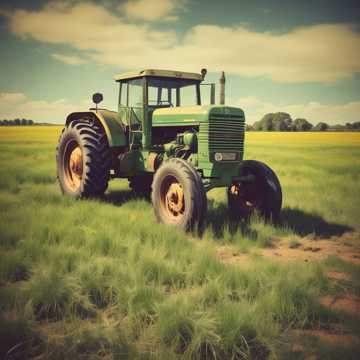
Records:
x=315, y=112
x=153, y=10
x=321, y=53
x=69, y=59
x=17, y=105
x=11, y=99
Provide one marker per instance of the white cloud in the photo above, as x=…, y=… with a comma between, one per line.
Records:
x=315, y=112
x=153, y=10
x=320, y=53
x=69, y=59
x=17, y=105
x=11, y=99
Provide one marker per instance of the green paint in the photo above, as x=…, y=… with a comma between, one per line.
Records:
x=210, y=137
x=111, y=122
x=114, y=127
x=221, y=129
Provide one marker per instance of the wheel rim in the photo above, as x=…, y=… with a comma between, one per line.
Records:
x=249, y=197
x=172, y=199
x=73, y=165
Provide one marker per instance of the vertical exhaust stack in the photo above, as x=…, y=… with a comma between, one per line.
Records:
x=222, y=88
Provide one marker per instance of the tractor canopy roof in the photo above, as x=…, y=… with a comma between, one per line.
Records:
x=160, y=73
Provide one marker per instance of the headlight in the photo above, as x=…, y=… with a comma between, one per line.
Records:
x=218, y=156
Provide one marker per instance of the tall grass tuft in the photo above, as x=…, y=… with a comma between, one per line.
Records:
x=14, y=267
x=18, y=341
x=54, y=295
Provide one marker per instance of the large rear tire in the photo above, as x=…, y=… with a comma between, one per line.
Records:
x=178, y=196
x=263, y=195
x=83, y=159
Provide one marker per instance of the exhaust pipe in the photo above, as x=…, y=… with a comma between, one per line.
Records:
x=222, y=88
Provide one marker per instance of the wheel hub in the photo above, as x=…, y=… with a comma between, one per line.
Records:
x=75, y=167
x=249, y=198
x=76, y=163
x=175, y=199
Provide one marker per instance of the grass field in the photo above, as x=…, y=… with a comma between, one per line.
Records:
x=101, y=279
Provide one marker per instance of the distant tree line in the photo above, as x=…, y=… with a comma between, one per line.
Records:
x=282, y=121
x=16, y=122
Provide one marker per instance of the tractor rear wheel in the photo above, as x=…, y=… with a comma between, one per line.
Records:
x=262, y=195
x=178, y=196
x=83, y=159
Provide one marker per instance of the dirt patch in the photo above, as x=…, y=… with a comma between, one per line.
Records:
x=348, y=303
x=337, y=275
x=317, y=248
x=327, y=337
x=334, y=337
x=225, y=255
x=309, y=248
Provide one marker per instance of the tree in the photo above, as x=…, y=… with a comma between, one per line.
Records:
x=267, y=122
x=301, y=124
x=352, y=126
x=356, y=125
x=22, y=122
x=274, y=122
x=337, y=127
x=281, y=121
x=257, y=126
x=321, y=126
x=249, y=127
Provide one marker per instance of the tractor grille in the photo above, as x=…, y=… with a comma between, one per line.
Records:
x=226, y=133
x=223, y=133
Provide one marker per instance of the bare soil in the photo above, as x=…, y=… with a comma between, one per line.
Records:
x=310, y=248
x=325, y=336
x=346, y=302
x=336, y=336
x=346, y=247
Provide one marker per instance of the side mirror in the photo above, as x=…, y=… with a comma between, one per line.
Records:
x=97, y=98
x=203, y=73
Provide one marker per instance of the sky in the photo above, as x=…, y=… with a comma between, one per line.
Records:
x=301, y=57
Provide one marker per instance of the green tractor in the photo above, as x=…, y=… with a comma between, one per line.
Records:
x=169, y=146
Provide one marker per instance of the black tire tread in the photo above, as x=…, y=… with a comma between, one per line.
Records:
x=196, y=221
x=273, y=198
x=94, y=144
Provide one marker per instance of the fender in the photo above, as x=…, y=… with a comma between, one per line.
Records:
x=110, y=121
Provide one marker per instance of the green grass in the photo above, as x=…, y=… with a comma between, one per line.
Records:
x=88, y=279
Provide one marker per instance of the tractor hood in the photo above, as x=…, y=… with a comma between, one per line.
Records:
x=191, y=115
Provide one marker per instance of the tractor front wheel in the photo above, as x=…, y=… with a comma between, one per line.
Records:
x=83, y=159
x=178, y=196
x=262, y=195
